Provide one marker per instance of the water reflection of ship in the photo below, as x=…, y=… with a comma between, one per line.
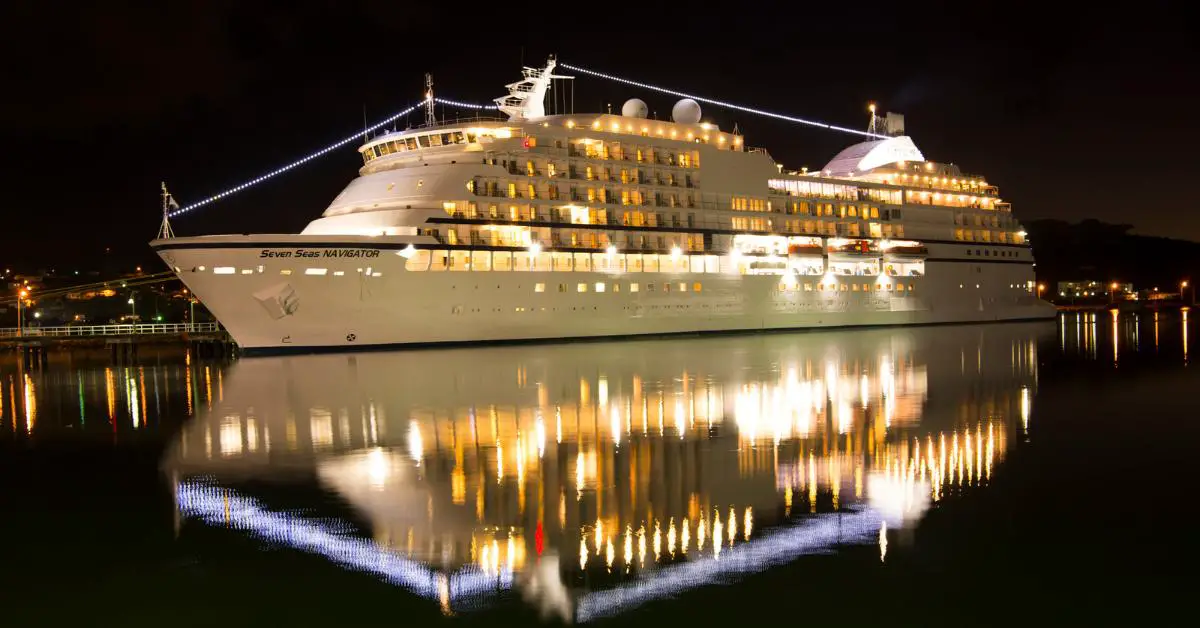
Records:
x=624, y=457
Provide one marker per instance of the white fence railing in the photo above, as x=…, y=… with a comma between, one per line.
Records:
x=141, y=329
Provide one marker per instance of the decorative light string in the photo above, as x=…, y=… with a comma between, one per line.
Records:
x=298, y=162
x=720, y=103
x=464, y=105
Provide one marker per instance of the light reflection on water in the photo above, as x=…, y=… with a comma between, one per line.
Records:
x=670, y=464
x=590, y=477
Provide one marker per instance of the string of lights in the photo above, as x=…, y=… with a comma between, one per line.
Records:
x=299, y=162
x=464, y=105
x=332, y=147
x=721, y=103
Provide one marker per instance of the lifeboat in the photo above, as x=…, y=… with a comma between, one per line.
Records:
x=908, y=252
x=854, y=249
x=806, y=250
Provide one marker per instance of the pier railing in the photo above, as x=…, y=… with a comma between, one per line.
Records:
x=141, y=329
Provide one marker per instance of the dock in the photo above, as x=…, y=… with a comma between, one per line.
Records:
x=120, y=341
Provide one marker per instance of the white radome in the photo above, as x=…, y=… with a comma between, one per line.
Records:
x=635, y=108
x=686, y=111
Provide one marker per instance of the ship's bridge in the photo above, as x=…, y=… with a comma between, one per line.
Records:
x=430, y=141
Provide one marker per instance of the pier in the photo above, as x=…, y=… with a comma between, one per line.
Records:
x=121, y=341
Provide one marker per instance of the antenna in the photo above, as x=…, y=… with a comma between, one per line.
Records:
x=430, y=120
x=874, y=119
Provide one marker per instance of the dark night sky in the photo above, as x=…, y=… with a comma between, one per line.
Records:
x=1074, y=113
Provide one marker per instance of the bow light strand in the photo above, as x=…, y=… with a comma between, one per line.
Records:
x=299, y=162
x=719, y=103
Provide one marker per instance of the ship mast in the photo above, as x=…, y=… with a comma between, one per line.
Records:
x=871, y=128
x=165, y=232
x=430, y=120
x=526, y=98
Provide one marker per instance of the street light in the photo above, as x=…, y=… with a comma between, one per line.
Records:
x=132, y=307
x=1183, y=286
x=1112, y=293
x=21, y=294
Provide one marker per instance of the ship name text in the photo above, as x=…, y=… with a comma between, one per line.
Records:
x=314, y=253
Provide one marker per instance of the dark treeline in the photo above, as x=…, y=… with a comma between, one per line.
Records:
x=1094, y=250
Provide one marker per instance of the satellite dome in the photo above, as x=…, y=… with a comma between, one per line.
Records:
x=634, y=108
x=686, y=111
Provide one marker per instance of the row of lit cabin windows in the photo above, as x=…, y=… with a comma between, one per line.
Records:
x=852, y=287
x=495, y=235
x=593, y=149
x=601, y=286
x=836, y=191
x=805, y=208
x=557, y=261
x=984, y=235
x=521, y=237
x=874, y=229
x=514, y=190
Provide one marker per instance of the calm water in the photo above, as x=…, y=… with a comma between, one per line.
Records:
x=951, y=475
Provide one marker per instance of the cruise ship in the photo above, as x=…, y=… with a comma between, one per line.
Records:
x=539, y=227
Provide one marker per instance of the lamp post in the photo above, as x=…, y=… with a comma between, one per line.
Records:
x=1182, y=295
x=1041, y=287
x=1112, y=293
x=21, y=294
x=132, y=306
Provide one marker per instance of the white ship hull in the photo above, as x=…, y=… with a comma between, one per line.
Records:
x=372, y=300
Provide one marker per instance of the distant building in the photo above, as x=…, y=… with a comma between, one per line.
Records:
x=1083, y=289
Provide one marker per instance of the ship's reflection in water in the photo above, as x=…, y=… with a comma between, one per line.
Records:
x=594, y=477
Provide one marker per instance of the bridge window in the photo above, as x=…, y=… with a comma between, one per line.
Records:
x=316, y=271
x=223, y=270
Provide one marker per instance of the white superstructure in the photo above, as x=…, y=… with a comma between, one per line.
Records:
x=563, y=226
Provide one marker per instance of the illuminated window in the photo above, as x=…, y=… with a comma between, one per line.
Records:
x=682, y=287
x=339, y=273
x=539, y=287
x=696, y=287
x=599, y=286
x=224, y=270
x=562, y=287
x=843, y=287
x=285, y=271
x=581, y=287
x=633, y=287
x=247, y=271
x=807, y=287
x=315, y=271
